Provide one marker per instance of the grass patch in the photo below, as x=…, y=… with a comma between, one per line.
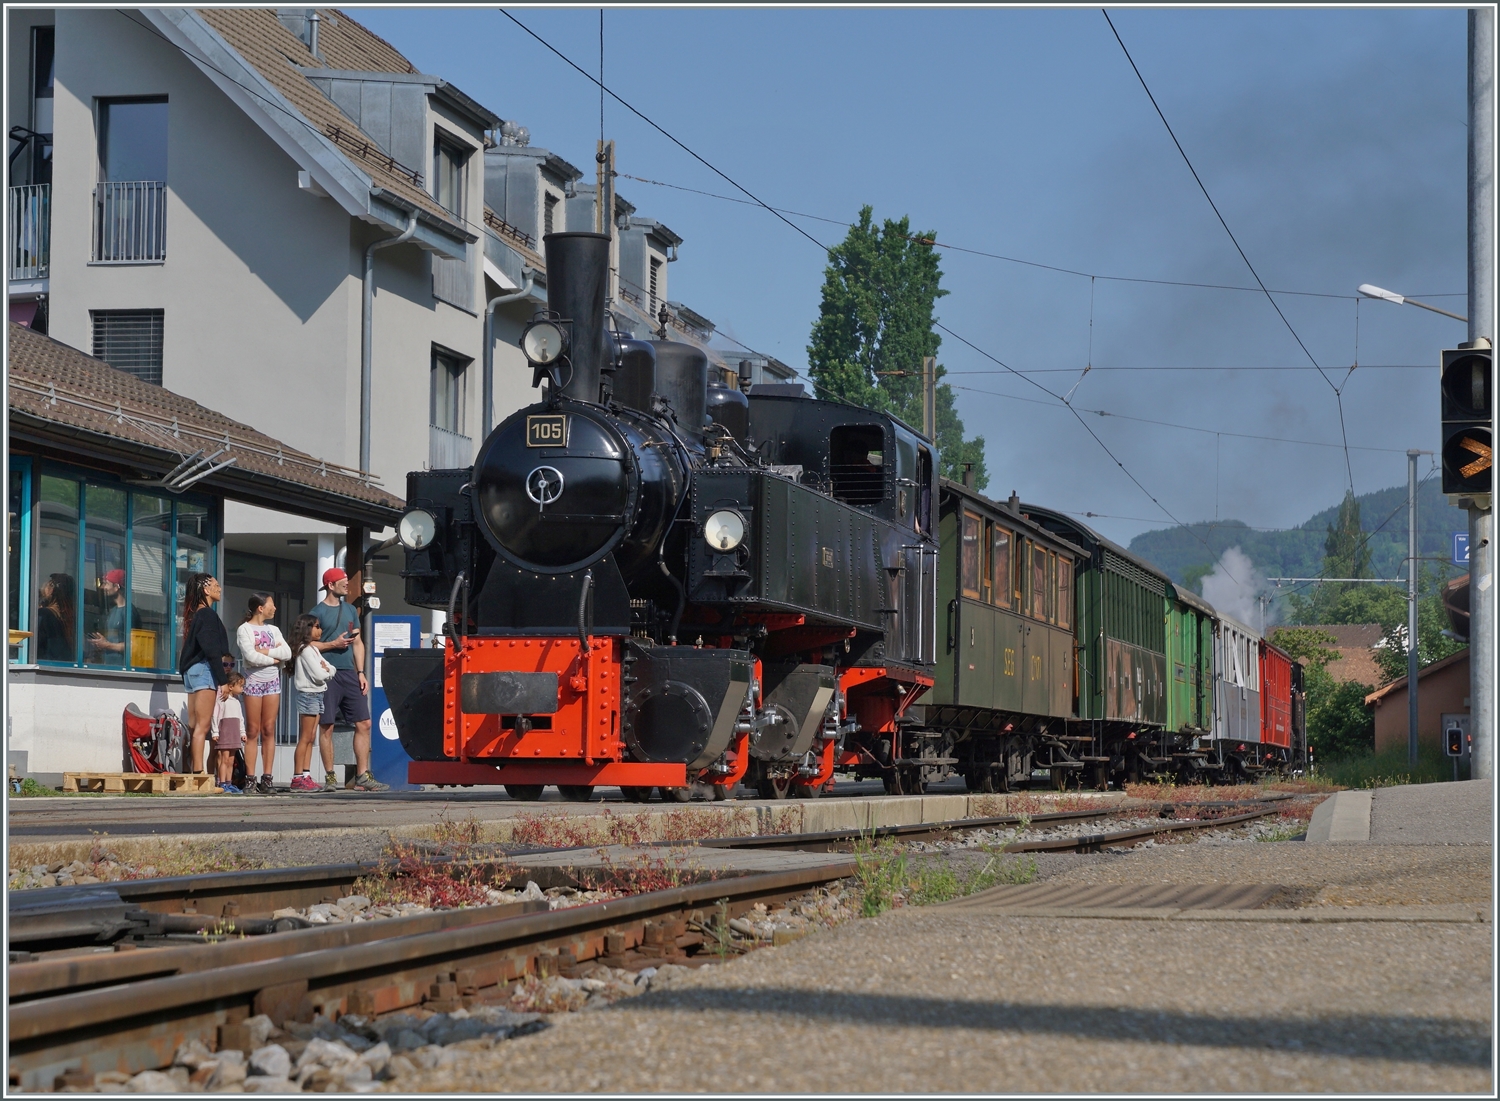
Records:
x=30, y=789
x=1285, y=830
x=1389, y=769
x=406, y=875
x=887, y=877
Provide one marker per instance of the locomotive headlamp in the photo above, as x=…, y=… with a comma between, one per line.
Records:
x=416, y=529
x=543, y=342
x=724, y=530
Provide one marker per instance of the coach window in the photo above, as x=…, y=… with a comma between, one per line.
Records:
x=1039, y=583
x=969, y=555
x=1064, y=591
x=1000, y=565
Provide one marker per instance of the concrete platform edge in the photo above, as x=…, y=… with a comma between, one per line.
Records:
x=1344, y=816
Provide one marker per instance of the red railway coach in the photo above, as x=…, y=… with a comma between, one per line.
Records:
x=1277, y=707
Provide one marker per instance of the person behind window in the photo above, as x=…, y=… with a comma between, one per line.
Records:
x=109, y=648
x=263, y=650
x=205, y=659
x=56, y=610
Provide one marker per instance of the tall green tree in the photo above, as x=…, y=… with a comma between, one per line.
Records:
x=1346, y=551
x=1346, y=554
x=876, y=323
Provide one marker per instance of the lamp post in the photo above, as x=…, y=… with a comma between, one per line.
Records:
x=1369, y=290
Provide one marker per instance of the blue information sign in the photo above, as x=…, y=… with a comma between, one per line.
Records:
x=1461, y=548
x=388, y=760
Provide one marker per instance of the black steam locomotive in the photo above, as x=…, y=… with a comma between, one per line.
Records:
x=654, y=582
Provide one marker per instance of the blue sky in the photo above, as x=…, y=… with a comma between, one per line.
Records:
x=1333, y=142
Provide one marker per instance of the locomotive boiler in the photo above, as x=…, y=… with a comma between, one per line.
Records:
x=652, y=582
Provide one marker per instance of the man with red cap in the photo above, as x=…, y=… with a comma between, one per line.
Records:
x=345, y=698
x=108, y=648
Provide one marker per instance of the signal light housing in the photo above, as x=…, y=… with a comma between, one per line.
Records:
x=1468, y=411
x=1454, y=741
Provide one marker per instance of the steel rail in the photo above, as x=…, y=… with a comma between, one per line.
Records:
x=53, y=976
x=139, y=1025
x=1125, y=838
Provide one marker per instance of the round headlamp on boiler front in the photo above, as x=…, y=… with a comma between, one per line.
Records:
x=724, y=530
x=416, y=529
x=544, y=342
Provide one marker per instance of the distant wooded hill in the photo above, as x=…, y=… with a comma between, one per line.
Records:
x=1298, y=552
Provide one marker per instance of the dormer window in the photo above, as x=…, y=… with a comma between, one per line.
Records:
x=448, y=160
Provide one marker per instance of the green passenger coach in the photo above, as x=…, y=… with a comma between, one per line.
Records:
x=1006, y=670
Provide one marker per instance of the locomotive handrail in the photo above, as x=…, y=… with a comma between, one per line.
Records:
x=583, y=606
x=448, y=628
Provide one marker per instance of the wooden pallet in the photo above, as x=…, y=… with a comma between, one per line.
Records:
x=158, y=783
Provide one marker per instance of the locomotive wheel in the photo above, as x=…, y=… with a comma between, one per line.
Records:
x=724, y=791
x=904, y=782
x=676, y=795
x=808, y=791
x=576, y=793
x=637, y=794
x=774, y=787
x=524, y=793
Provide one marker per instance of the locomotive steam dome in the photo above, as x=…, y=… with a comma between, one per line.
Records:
x=561, y=507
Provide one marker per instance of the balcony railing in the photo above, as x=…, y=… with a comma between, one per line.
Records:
x=448, y=450
x=30, y=241
x=130, y=221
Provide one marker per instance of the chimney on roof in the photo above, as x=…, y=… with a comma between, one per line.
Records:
x=1014, y=502
x=302, y=22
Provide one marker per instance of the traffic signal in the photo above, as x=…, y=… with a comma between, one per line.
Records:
x=1454, y=736
x=1468, y=463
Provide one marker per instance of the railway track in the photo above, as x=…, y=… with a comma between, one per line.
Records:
x=134, y=1023
x=75, y=1015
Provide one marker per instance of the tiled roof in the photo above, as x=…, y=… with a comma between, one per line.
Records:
x=61, y=394
x=347, y=44
x=1399, y=683
x=275, y=52
x=1356, y=644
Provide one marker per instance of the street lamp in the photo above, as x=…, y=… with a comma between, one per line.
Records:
x=1369, y=290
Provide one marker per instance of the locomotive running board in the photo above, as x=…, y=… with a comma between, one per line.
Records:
x=602, y=774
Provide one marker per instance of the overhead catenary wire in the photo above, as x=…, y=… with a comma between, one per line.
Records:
x=1024, y=262
x=1338, y=396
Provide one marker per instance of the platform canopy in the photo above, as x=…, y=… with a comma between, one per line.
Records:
x=72, y=407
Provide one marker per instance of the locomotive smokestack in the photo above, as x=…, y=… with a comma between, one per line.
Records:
x=577, y=285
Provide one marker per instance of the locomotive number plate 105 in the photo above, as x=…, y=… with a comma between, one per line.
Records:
x=547, y=430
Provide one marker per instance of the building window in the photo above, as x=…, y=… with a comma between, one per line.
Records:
x=42, y=73
x=448, y=160
x=130, y=341
x=449, y=445
x=130, y=202
x=549, y=212
x=107, y=571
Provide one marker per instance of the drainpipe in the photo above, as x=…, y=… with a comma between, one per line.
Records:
x=367, y=337
x=489, y=348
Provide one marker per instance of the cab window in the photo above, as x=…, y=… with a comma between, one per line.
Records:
x=1000, y=565
x=969, y=555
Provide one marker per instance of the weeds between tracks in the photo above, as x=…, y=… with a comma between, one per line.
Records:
x=887, y=877
x=609, y=828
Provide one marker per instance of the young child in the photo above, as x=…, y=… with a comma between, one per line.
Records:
x=227, y=728
x=311, y=674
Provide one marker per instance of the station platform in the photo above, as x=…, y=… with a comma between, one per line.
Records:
x=1413, y=814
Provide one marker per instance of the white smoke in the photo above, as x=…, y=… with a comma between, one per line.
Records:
x=1234, y=586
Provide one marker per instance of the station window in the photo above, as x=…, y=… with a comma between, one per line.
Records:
x=1000, y=565
x=107, y=572
x=969, y=555
x=1064, y=591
